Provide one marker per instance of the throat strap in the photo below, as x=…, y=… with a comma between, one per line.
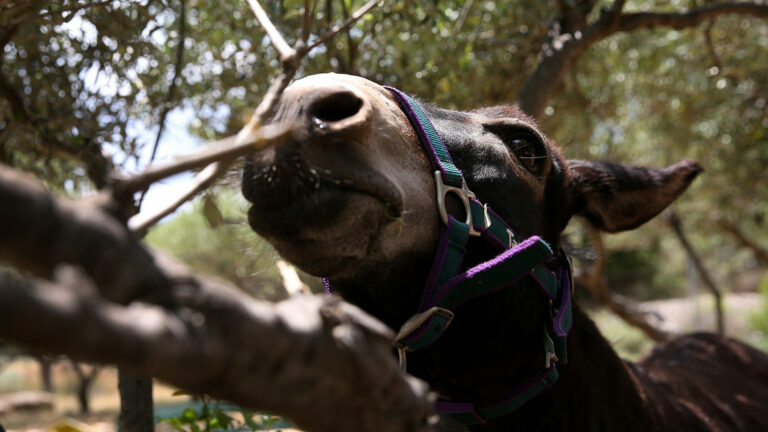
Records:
x=470, y=413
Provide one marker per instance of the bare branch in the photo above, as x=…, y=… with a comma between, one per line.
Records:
x=219, y=155
x=622, y=307
x=761, y=253
x=677, y=227
x=140, y=223
x=216, y=157
x=224, y=149
x=692, y=18
x=282, y=47
x=356, y=15
x=306, y=20
x=711, y=45
x=463, y=16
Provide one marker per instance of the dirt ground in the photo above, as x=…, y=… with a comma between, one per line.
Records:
x=24, y=374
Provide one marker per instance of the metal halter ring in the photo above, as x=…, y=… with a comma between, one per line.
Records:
x=465, y=195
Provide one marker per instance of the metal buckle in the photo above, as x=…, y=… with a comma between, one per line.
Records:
x=511, y=238
x=549, y=350
x=465, y=195
x=416, y=321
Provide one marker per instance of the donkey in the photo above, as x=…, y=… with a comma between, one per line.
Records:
x=375, y=182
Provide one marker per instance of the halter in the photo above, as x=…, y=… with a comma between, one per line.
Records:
x=448, y=287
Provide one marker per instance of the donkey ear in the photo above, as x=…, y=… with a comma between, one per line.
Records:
x=621, y=197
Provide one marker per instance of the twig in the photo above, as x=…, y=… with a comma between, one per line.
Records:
x=140, y=223
x=674, y=222
x=171, y=88
x=711, y=46
x=282, y=47
x=761, y=254
x=356, y=15
x=306, y=21
x=463, y=16
x=226, y=148
x=594, y=281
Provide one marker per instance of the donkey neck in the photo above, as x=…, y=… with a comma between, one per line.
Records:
x=597, y=391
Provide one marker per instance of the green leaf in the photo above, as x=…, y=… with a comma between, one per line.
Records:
x=211, y=212
x=189, y=416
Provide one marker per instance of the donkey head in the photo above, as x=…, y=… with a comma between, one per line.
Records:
x=352, y=198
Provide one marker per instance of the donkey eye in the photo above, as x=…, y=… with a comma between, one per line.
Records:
x=525, y=152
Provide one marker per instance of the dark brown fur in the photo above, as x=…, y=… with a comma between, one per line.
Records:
x=353, y=199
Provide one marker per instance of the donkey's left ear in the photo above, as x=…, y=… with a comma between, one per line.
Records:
x=621, y=197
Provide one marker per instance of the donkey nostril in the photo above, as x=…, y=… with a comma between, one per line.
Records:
x=335, y=107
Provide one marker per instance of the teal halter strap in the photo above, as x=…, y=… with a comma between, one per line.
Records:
x=447, y=287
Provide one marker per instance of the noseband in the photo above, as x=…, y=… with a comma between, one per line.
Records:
x=449, y=286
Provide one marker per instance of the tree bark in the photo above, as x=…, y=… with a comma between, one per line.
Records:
x=45, y=372
x=308, y=358
x=136, y=409
x=85, y=381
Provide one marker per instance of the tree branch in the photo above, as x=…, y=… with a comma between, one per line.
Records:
x=761, y=253
x=563, y=50
x=278, y=41
x=38, y=232
x=224, y=149
x=462, y=16
x=622, y=307
x=356, y=15
x=308, y=358
x=692, y=18
x=711, y=46
x=140, y=223
x=677, y=228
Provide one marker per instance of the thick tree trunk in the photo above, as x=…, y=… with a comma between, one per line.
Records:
x=45, y=372
x=136, y=410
